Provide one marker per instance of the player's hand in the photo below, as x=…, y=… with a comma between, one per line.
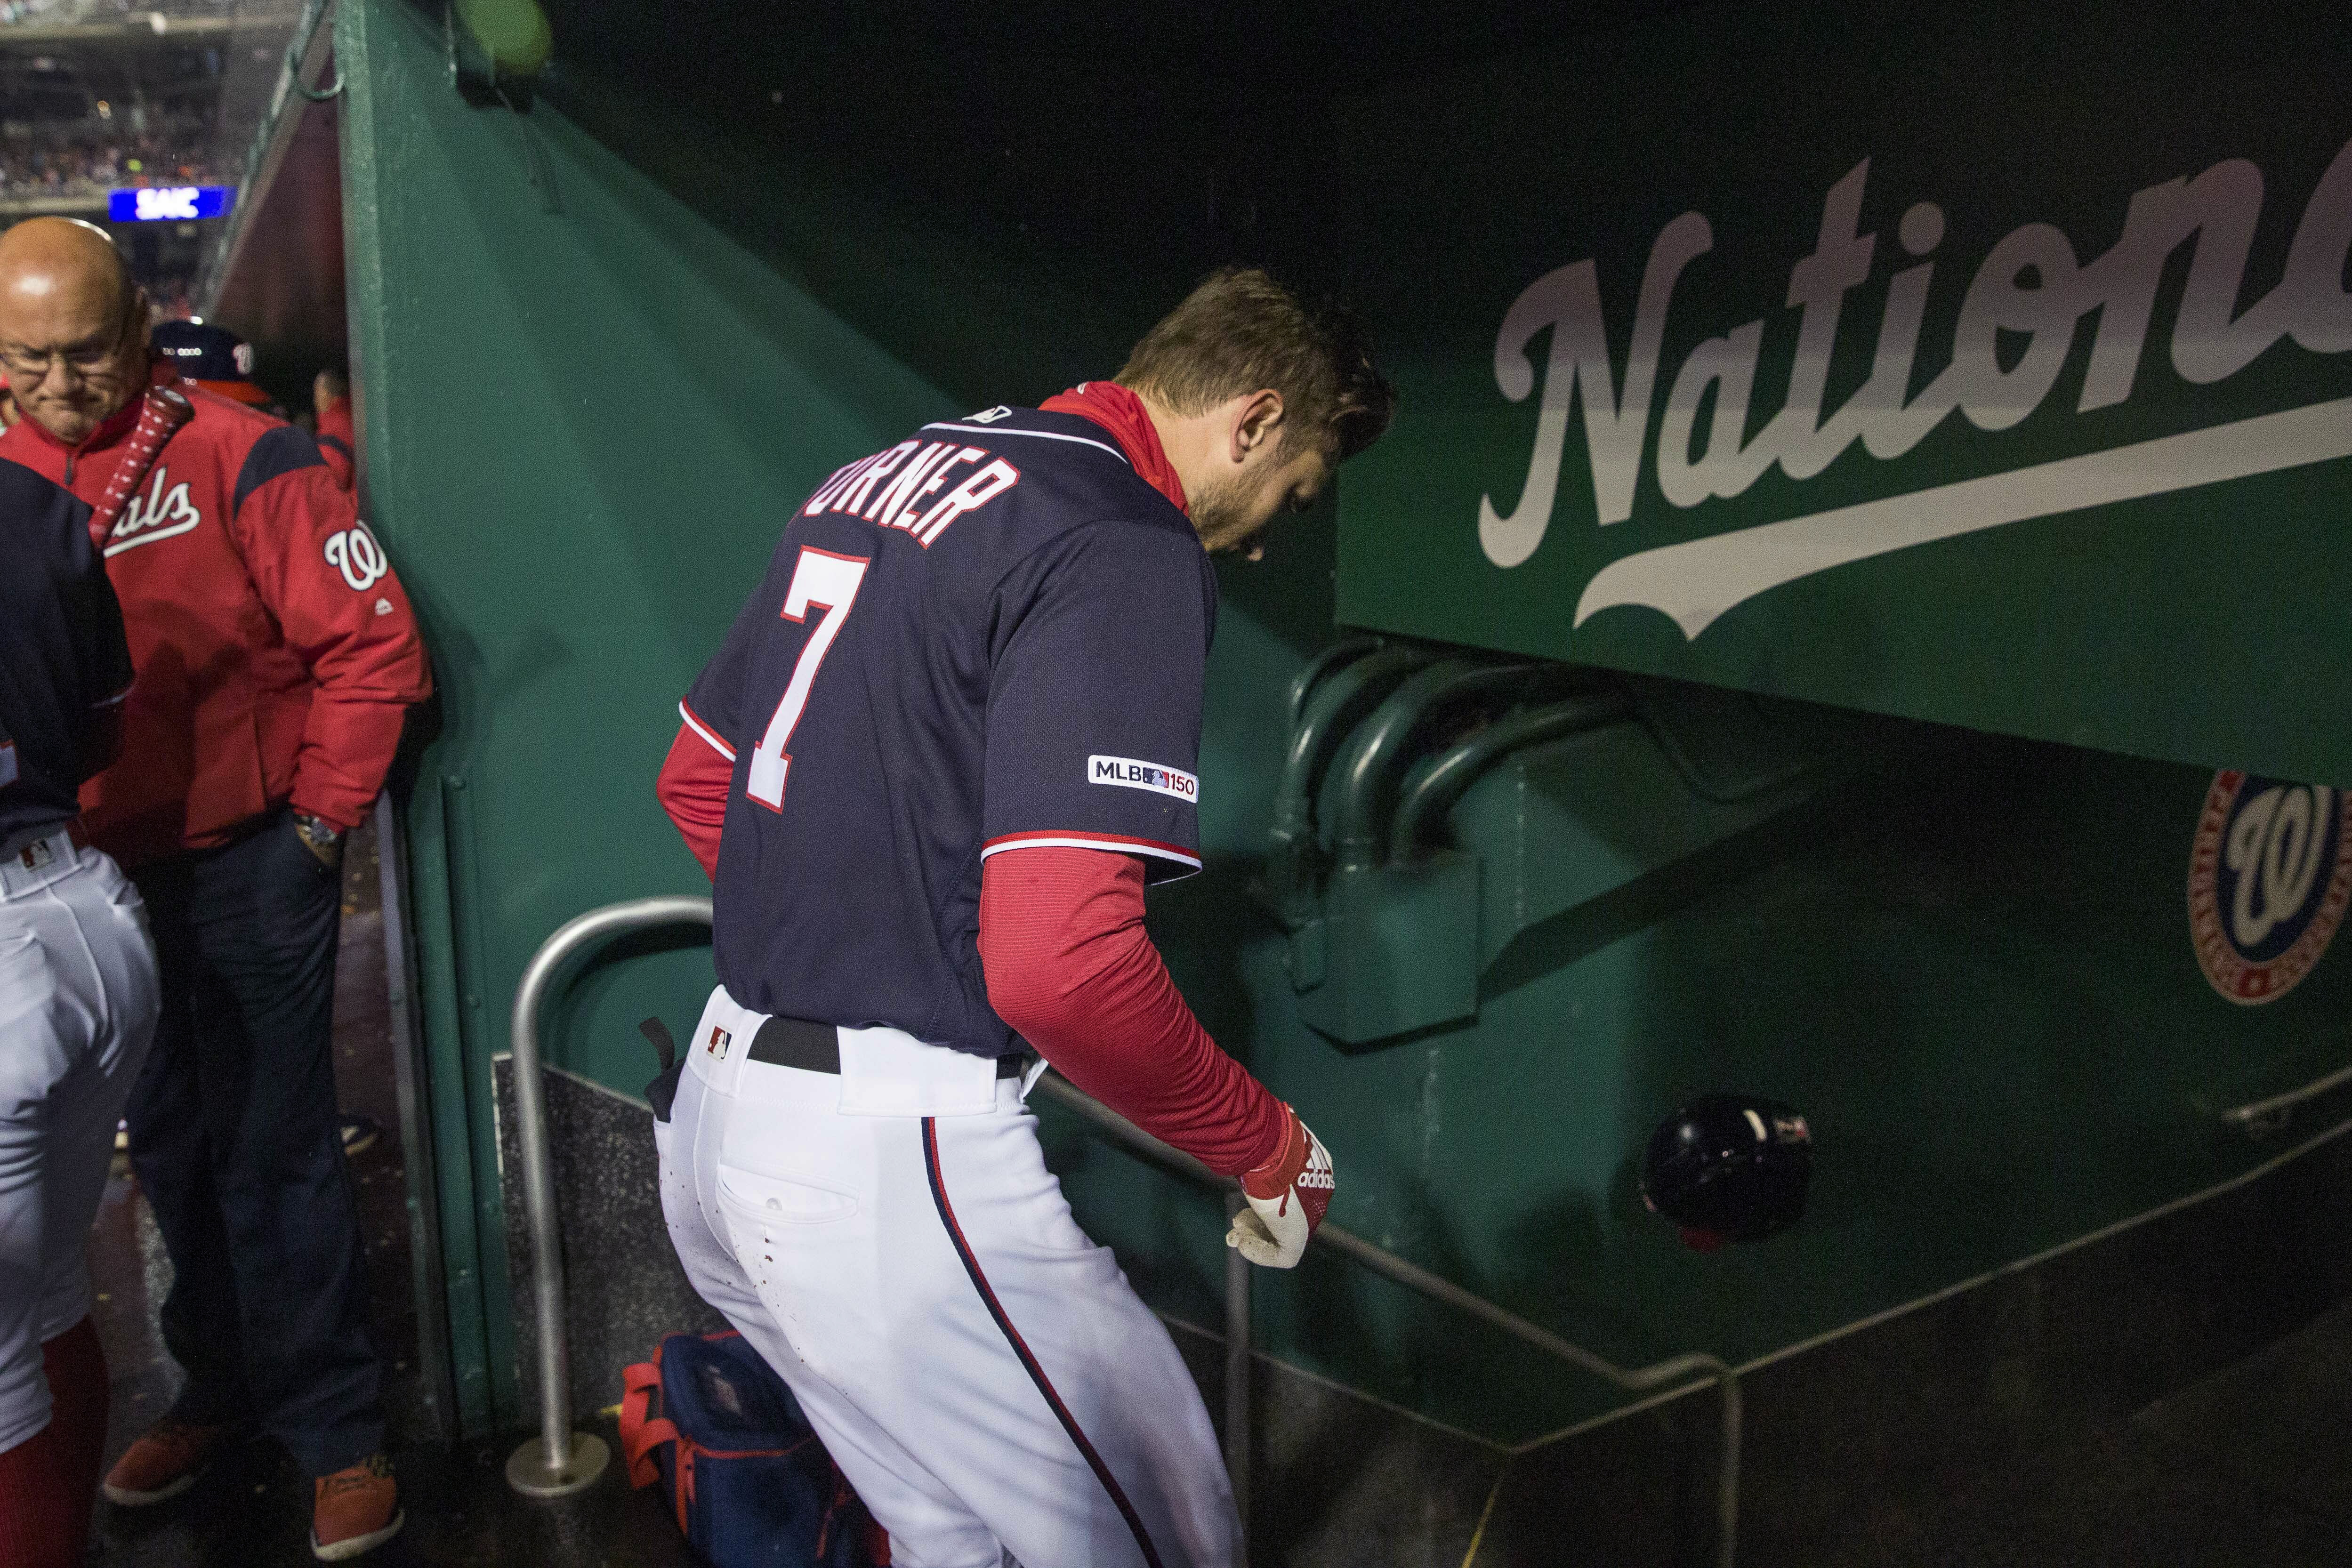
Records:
x=1287, y=1195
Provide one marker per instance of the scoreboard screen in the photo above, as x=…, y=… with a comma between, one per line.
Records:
x=169, y=204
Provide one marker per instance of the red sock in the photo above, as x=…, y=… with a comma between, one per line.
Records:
x=48, y=1482
x=76, y=1363
x=37, y=1528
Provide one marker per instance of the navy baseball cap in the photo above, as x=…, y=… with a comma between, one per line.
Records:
x=213, y=357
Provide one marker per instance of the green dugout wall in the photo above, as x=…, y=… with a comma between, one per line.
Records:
x=607, y=332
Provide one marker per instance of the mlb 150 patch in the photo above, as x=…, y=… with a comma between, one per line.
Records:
x=2268, y=878
x=1128, y=773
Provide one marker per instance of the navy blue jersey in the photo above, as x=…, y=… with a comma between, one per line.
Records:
x=990, y=635
x=63, y=659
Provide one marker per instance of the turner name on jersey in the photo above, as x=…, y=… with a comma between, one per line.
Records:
x=895, y=489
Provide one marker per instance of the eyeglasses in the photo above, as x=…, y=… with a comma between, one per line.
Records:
x=31, y=367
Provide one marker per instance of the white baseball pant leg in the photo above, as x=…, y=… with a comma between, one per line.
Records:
x=77, y=1002
x=891, y=1241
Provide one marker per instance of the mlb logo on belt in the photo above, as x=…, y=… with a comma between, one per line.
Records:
x=37, y=854
x=718, y=1042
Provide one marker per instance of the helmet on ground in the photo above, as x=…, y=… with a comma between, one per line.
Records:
x=1728, y=1168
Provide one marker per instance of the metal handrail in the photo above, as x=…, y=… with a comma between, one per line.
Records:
x=559, y=1461
x=1693, y=1368
x=2263, y=1117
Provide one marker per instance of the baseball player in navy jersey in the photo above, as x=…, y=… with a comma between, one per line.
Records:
x=78, y=1003
x=943, y=749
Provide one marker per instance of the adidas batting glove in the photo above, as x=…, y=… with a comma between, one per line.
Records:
x=1287, y=1195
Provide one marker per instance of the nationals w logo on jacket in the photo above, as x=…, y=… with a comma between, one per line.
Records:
x=355, y=554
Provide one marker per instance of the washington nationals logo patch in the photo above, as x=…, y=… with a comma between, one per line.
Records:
x=355, y=554
x=2269, y=880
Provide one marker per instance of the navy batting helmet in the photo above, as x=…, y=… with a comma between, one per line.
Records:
x=213, y=357
x=1729, y=1167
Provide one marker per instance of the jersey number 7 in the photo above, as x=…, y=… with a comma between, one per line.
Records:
x=830, y=582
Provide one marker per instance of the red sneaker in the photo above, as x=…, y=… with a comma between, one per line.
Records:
x=164, y=1462
x=355, y=1510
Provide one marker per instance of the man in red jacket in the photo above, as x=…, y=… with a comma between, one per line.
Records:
x=277, y=655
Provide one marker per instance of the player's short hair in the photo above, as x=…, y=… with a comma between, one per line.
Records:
x=1240, y=332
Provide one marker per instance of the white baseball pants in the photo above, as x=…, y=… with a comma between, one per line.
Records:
x=77, y=1000
x=891, y=1241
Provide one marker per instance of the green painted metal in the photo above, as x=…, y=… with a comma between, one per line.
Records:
x=1393, y=951
x=1743, y=236
x=1969, y=959
x=600, y=346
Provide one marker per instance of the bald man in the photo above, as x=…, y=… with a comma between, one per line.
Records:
x=277, y=655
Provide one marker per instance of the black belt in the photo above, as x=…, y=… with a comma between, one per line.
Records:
x=816, y=1048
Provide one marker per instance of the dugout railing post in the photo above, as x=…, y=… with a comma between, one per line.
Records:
x=560, y=1462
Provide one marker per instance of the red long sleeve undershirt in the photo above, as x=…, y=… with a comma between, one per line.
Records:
x=1070, y=968
x=692, y=789
x=1069, y=965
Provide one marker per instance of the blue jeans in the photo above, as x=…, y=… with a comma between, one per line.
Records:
x=235, y=1141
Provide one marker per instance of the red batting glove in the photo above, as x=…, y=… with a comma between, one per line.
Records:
x=1287, y=1195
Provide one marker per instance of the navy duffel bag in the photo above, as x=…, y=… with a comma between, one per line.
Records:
x=713, y=1426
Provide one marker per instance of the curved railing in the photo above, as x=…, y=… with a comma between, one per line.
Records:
x=559, y=1461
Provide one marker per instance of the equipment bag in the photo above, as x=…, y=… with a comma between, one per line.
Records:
x=752, y=1486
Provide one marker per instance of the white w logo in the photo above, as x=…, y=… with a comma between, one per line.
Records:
x=355, y=554
x=2276, y=846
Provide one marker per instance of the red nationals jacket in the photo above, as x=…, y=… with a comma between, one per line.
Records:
x=275, y=649
x=336, y=442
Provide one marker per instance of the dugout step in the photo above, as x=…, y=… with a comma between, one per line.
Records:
x=2280, y=1420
